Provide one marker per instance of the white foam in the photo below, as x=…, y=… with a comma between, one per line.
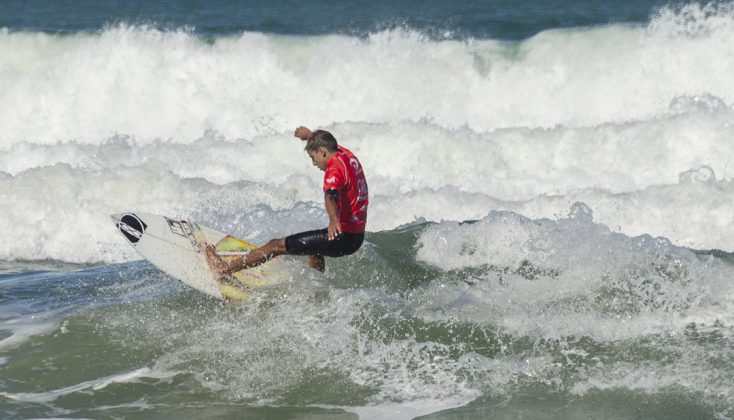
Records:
x=677, y=192
x=406, y=410
x=172, y=85
x=23, y=327
x=653, y=378
x=512, y=164
x=572, y=277
x=300, y=330
x=95, y=384
x=24, y=332
x=692, y=369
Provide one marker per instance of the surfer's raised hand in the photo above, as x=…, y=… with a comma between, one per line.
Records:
x=302, y=133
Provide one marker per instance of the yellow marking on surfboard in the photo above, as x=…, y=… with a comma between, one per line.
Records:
x=232, y=244
x=244, y=279
x=230, y=292
x=250, y=280
x=239, y=285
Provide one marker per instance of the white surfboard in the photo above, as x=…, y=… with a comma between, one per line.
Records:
x=175, y=247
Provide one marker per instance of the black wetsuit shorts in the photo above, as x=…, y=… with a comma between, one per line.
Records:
x=316, y=242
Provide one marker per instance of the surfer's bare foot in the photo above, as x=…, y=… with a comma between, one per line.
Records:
x=317, y=262
x=216, y=264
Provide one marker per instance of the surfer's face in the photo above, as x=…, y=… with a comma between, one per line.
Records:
x=319, y=158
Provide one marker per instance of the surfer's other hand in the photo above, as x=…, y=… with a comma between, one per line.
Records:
x=333, y=231
x=302, y=133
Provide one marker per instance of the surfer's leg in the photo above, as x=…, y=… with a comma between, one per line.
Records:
x=258, y=256
x=274, y=248
x=316, y=243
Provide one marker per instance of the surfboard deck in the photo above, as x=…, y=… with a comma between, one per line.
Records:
x=176, y=246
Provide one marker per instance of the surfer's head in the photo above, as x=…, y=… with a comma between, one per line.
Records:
x=322, y=138
x=321, y=146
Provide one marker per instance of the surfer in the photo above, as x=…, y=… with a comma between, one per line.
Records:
x=345, y=198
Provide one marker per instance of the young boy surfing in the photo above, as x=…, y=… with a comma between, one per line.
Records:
x=345, y=198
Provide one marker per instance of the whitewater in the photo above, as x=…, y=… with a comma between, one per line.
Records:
x=633, y=121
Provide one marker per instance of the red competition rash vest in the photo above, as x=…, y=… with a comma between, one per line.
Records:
x=345, y=175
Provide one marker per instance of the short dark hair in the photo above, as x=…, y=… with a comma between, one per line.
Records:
x=321, y=138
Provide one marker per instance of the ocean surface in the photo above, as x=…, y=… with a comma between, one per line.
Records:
x=551, y=230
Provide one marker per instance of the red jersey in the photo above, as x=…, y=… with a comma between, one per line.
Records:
x=345, y=175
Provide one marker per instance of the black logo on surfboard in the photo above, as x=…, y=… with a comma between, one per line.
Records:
x=132, y=227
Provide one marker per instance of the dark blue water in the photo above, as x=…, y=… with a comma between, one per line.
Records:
x=462, y=18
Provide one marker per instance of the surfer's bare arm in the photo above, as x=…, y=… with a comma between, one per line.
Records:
x=302, y=133
x=334, y=229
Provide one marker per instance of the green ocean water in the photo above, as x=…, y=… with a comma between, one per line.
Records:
x=381, y=335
